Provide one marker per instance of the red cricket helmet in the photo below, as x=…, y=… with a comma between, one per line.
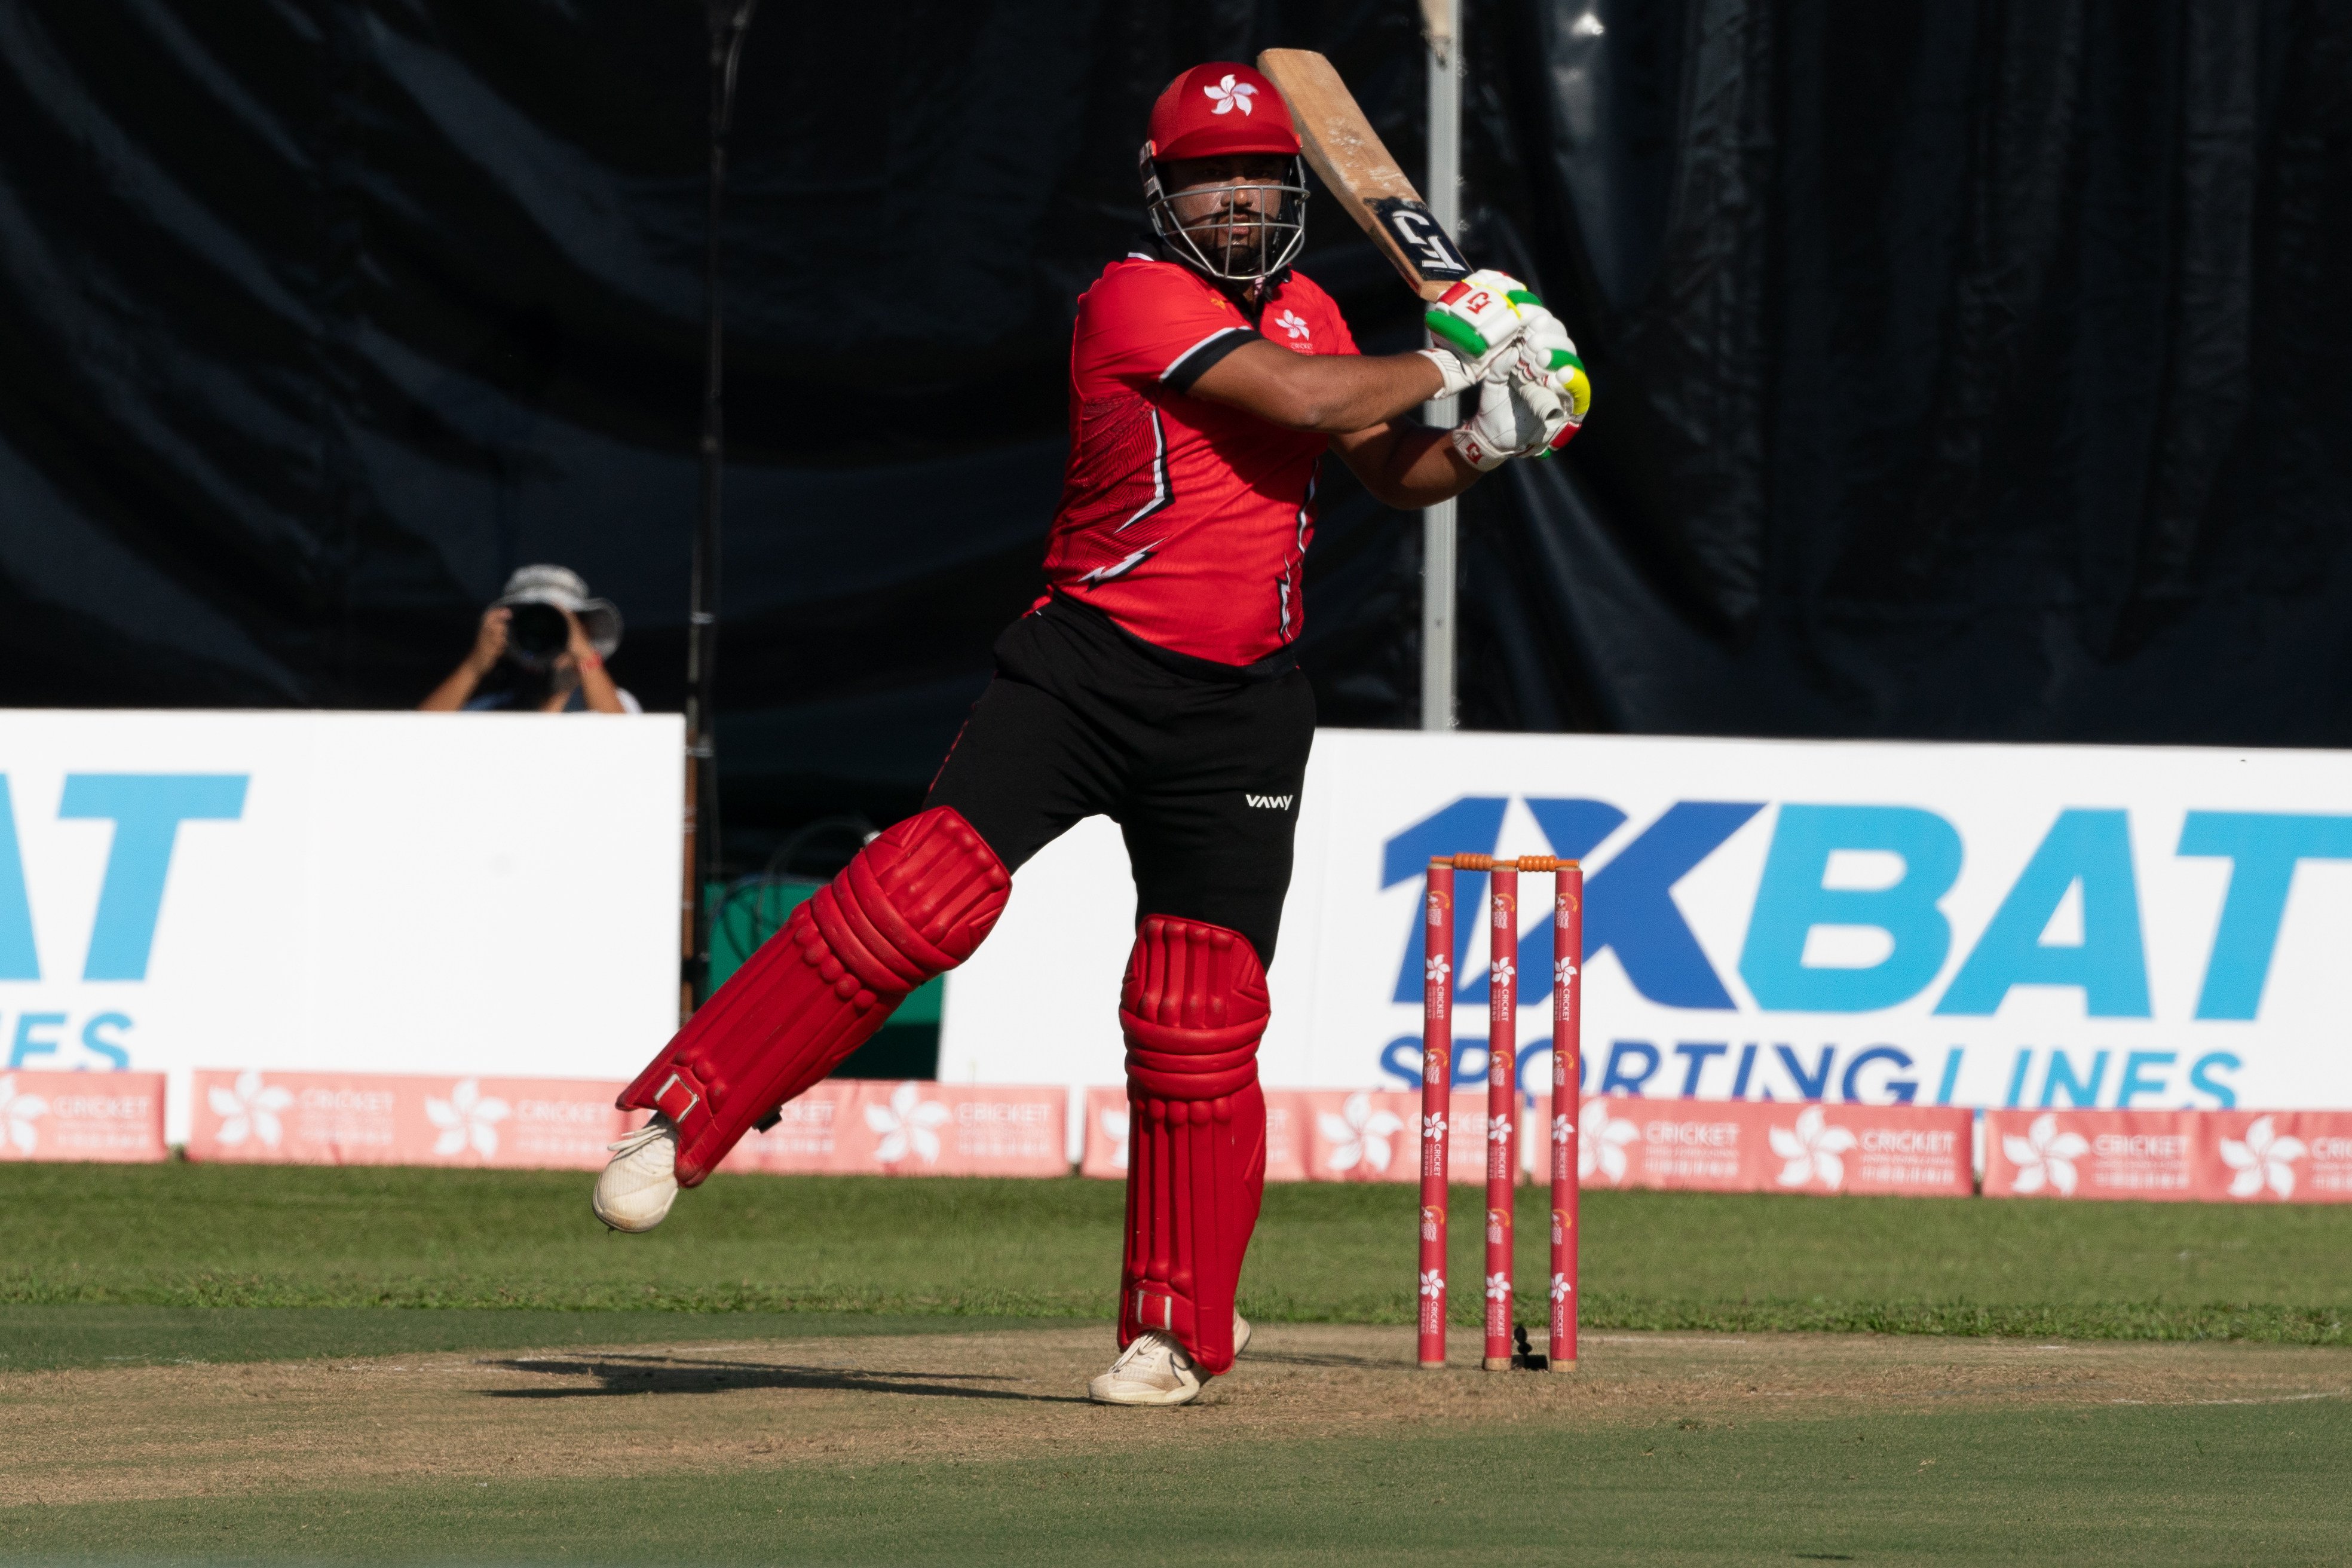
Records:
x=1221, y=108
x=1252, y=226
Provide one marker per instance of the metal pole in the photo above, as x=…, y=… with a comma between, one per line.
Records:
x=730, y=20
x=1442, y=20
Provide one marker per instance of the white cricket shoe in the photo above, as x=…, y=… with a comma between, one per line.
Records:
x=1241, y=1333
x=638, y=1185
x=1152, y=1370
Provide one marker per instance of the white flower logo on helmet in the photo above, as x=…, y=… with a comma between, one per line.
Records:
x=1229, y=95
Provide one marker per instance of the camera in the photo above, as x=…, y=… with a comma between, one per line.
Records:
x=536, y=634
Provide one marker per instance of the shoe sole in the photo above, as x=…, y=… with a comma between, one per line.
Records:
x=624, y=1224
x=1155, y=1399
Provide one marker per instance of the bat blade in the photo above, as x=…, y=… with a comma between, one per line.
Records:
x=1343, y=148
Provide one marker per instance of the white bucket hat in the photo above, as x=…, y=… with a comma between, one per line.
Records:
x=566, y=590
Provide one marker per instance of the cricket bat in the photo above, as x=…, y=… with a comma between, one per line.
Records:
x=1340, y=145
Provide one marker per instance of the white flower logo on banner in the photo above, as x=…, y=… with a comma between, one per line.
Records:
x=1811, y=1149
x=468, y=1115
x=1114, y=1127
x=1498, y=1287
x=1359, y=1135
x=905, y=1123
x=2265, y=1158
x=1229, y=95
x=2044, y=1155
x=19, y=1111
x=249, y=1109
x=1432, y=1283
x=1501, y=973
x=1436, y=969
x=1432, y=1126
x=1602, y=1147
x=1563, y=970
x=1560, y=1289
x=1295, y=324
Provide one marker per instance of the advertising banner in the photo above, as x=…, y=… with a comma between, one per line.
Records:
x=1917, y=1151
x=113, y=1116
x=1328, y=1135
x=466, y=894
x=2006, y=927
x=851, y=1127
x=2209, y=1156
x=380, y=1119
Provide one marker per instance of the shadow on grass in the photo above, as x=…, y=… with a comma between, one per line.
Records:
x=681, y=1374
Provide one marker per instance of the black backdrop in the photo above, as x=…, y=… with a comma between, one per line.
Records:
x=1965, y=370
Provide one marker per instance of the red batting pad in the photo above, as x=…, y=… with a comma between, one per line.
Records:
x=1193, y=1009
x=914, y=903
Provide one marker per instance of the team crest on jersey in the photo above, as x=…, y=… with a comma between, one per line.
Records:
x=1291, y=322
x=1229, y=95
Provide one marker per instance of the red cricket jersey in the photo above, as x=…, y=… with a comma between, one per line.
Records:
x=1186, y=521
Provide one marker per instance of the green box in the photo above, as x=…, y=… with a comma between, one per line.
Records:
x=747, y=912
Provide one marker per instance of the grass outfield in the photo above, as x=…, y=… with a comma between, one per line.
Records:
x=2139, y=1486
x=151, y=1242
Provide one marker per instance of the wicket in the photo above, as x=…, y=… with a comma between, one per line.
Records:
x=1502, y=1097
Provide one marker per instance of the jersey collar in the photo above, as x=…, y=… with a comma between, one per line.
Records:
x=1149, y=247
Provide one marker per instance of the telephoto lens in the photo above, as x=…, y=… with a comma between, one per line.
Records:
x=536, y=634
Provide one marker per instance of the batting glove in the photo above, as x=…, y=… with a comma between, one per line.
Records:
x=1515, y=417
x=1474, y=323
x=1547, y=357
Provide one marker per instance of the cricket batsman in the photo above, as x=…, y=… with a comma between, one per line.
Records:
x=1155, y=683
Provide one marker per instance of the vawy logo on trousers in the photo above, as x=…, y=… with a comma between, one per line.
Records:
x=2086, y=855
x=1270, y=802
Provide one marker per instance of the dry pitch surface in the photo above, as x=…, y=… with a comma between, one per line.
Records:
x=155, y=1432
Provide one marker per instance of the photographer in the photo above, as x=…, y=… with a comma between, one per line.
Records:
x=542, y=649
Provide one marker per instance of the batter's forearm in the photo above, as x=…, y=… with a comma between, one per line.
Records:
x=1334, y=394
x=1423, y=468
x=1406, y=466
x=1362, y=392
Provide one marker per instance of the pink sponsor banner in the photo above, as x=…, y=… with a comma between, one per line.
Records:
x=1374, y=1135
x=913, y=1128
x=1108, y=1120
x=2145, y=1154
x=1364, y=1135
x=106, y=1116
x=382, y=1119
x=807, y=1138
x=2274, y=1156
x=1767, y=1146
x=1286, y=1136
x=1107, y=1124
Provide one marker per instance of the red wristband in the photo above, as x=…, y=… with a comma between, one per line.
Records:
x=591, y=661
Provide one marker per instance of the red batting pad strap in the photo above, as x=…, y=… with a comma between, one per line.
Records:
x=914, y=902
